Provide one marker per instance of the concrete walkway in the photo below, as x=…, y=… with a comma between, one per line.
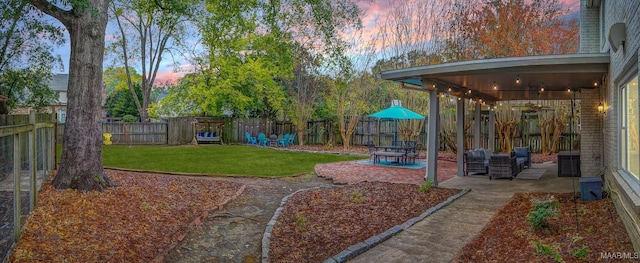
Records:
x=441, y=236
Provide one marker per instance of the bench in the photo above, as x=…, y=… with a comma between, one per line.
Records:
x=210, y=137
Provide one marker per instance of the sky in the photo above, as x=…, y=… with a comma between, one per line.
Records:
x=373, y=12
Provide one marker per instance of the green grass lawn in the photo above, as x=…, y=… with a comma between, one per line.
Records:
x=228, y=160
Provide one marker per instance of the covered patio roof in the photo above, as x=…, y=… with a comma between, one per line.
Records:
x=554, y=77
x=512, y=78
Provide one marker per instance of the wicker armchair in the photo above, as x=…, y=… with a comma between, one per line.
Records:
x=476, y=162
x=523, y=156
x=503, y=165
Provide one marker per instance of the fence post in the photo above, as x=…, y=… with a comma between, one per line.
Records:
x=16, y=187
x=32, y=160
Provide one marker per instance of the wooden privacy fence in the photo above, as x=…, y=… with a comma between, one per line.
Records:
x=132, y=133
x=179, y=131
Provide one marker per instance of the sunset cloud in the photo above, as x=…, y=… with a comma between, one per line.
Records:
x=374, y=13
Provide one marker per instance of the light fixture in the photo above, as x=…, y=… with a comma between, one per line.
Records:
x=617, y=36
x=434, y=85
x=569, y=90
x=459, y=98
x=601, y=107
x=449, y=89
x=469, y=92
x=595, y=83
x=518, y=80
x=495, y=86
x=542, y=89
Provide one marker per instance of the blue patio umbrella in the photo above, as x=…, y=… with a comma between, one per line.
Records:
x=397, y=112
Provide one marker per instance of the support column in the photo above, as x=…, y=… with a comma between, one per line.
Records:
x=460, y=135
x=492, y=128
x=432, y=138
x=477, y=126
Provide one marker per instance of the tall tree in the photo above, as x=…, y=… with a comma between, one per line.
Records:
x=26, y=60
x=81, y=161
x=146, y=31
x=351, y=90
x=412, y=33
x=304, y=89
x=502, y=28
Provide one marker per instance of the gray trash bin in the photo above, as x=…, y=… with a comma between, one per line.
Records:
x=590, y=188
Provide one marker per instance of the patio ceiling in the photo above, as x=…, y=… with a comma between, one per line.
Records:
x=556, y=73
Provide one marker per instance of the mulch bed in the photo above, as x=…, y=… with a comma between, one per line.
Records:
x=317, y=224
x=578, y=233
x=137, y=221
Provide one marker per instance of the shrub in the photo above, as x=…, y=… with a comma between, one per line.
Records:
x=548, y=250
x=427, y=185
x=543, y=208
x=580, y=253
x=129, y=118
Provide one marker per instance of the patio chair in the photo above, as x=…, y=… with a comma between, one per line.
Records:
x=523, y=157
x=372, y=150
x=503, y=165
x=292, y=138
x=284, y=141
x=476, y=161
x=263, y=140
x=413, y=153
x=250, y=140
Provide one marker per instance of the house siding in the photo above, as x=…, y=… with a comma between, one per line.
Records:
x=624, y=63
x=589, y=28
x=591, y=136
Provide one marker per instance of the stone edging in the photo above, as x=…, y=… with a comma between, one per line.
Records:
x=357, y=249
x=160, y=258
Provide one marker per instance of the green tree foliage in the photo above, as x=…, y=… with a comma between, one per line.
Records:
x=251, y=52
x=115, y=78
x=26, y=43
x=121, y=103
x=180, y=100
x=27, y=87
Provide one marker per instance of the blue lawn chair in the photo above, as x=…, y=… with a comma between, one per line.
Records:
x=263, y=140
x=292, y=138
x=284, y=142
x=250, y=140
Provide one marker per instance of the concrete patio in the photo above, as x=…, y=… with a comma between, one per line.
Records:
x=441, y=236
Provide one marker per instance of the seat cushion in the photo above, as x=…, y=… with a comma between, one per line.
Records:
x=478, y=153
x=521, y=151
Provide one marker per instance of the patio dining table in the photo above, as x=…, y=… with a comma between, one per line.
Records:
x=398, y=152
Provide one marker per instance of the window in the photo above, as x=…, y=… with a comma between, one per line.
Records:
x=629, y=126
x=62, y=116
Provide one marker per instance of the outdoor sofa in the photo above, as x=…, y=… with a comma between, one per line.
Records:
x=477, y=161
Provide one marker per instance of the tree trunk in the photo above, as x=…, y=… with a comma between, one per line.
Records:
x=300, y=132
x=81, y=161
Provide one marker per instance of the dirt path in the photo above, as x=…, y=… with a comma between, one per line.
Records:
x=234, y=234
